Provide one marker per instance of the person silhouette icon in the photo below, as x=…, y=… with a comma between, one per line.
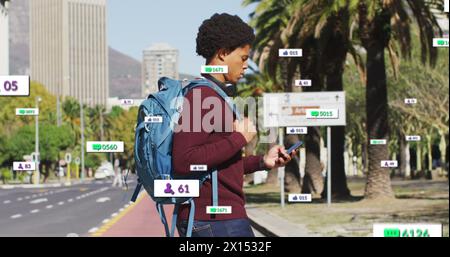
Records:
x=168, y=189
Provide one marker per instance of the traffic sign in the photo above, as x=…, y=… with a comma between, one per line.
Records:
x=77, y=161
x=292, y=109
x=68, y=157
x=35, y=157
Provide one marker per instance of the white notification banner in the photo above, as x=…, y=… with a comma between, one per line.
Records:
x=291, y=109
x=410, y=100
x=378, y=141
x=153, y=119
x=290, y=52
x=197, y=167
x=297, y=130
x=413, y=138
x=303, y=83
x=322, y=114
x=218, y=209
x=389, y=164
x=440, y=42
x=210, y=69
x=14, y=85
x=299, y=198
x=27, y=111
x=407, y=230
x=126, y=101
x=176, y=188
x=104, y=146
x=24, y=166
x=446, y=5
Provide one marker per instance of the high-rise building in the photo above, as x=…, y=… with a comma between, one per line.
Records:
x=159, y=60
x=68, y=48
x=4, y=38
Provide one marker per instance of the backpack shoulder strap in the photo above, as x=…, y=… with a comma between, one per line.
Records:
x=204, y=82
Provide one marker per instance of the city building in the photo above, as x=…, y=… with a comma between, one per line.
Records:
x=68, y=48
x=4, y=38
x=159, y=60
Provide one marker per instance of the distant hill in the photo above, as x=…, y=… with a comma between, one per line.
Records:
x=124, y=75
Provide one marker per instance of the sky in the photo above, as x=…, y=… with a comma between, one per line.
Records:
x=137, y=24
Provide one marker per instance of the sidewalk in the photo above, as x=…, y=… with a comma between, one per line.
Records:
x=272, y=225
x=141, y=219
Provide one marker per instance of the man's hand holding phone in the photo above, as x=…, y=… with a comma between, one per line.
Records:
x=277, y=157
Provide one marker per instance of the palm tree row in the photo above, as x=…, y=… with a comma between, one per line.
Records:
x=329, y=32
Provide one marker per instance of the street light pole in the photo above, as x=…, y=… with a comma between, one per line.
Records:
x=36, y=145
x=82, y=137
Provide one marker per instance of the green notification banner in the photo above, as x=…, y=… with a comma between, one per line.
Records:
x=322, y=114
x=104, y=146
x=407, y=230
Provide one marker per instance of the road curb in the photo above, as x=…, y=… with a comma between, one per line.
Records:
x=272, y=225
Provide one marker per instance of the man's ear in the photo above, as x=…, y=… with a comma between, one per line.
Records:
x=222, y=53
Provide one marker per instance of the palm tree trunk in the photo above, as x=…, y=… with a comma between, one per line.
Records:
x=313, y=179
x=418, y=158
x=403, y=148
x=429, y=153
x=442, y=149
x=333, y=60
x=378, y=179
x=292, y=176
x=375, y=37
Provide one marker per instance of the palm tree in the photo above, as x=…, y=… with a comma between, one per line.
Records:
x=71, y=109
x=322, y=30
x=96, y=115
x=379, y=23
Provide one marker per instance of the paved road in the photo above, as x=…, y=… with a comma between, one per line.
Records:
x=93, y=208
x=63, y=211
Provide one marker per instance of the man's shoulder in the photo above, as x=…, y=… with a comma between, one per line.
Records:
x=204, y=90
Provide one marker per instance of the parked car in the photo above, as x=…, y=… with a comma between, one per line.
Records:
x=105, y=171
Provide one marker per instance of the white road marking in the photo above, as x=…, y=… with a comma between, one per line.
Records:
x=103, y=199
x=6, y=201
x=16, y=216
x=19, y=199
x=70, y=200
x=92, y=230
x=60, y=203
x=105, y=220
x=49, y=206
x=114, y=214
x=34, y=211
x=40, y=200
x=27, y=197
x=72, y=235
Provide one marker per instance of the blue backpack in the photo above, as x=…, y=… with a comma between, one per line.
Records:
x=153, y=145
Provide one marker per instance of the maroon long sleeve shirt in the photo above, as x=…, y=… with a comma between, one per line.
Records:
x=219, y=148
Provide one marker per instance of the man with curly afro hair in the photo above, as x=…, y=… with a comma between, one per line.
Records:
x=222, y=40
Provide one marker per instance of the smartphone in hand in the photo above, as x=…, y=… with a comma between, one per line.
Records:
x=292, y=148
